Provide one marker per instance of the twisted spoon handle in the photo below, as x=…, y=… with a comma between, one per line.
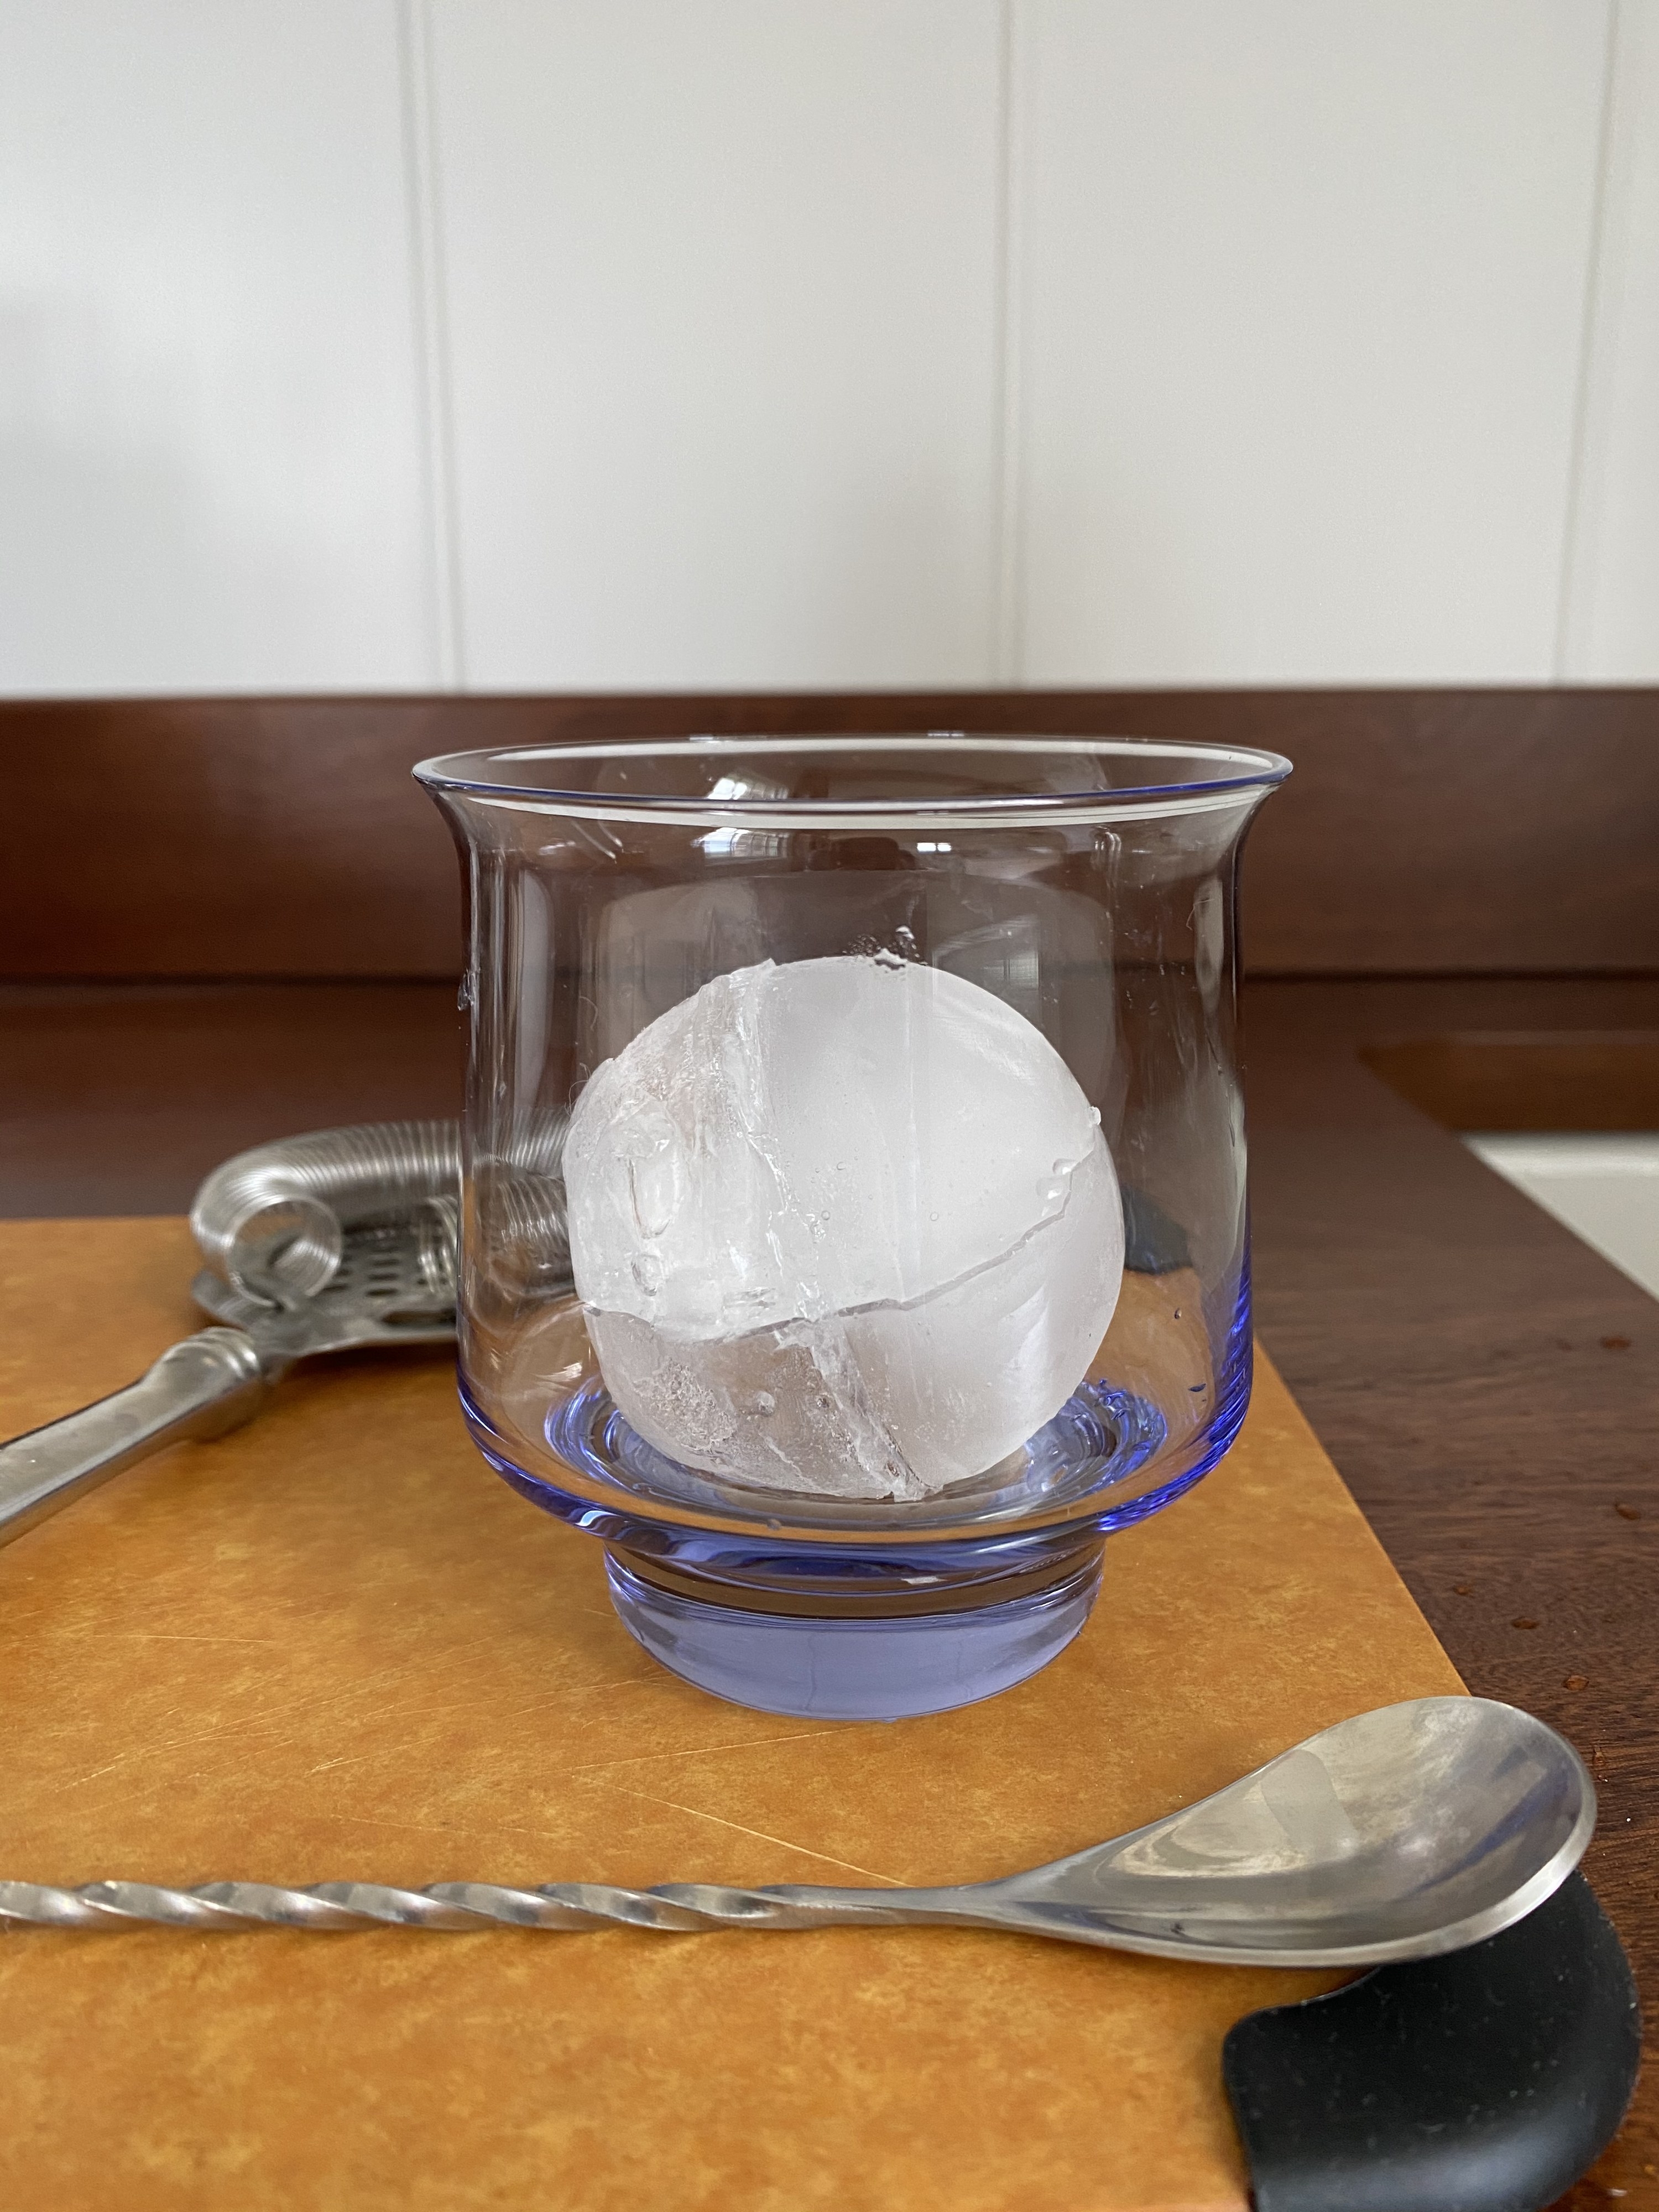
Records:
x=681, y=1907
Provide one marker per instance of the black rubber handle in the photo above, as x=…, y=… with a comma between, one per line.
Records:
x=1483, y=2081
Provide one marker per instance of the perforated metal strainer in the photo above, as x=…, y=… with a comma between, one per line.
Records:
x=337, y=1241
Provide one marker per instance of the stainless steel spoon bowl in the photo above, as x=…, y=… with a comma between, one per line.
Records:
x=1417, y=1829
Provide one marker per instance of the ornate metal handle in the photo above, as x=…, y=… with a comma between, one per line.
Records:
x=210, y=1382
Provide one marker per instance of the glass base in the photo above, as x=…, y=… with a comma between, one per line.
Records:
x=819, y=1668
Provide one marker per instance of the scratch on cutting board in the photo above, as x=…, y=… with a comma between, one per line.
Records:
x=243, y=1725
x=46, y=1621
x=304, y=1716
x=597, y=1766
x=697, y=1813
x=265, y=1717
x=176, y=1636
x=521, y=1828
x=696, y=1750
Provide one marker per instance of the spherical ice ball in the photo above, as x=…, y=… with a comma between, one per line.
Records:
x=847, y=1226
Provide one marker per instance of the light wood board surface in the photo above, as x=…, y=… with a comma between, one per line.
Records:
x=334, y=1645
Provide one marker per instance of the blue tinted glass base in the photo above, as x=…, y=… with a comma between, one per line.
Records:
x=853, y=1609
x=817, y=1667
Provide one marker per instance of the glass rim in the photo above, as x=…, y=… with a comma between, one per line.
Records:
x=1228, y=773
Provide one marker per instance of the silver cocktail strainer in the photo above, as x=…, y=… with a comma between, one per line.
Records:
x=337, y=1241
x=272, y=1223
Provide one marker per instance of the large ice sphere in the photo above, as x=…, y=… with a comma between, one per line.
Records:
x=847, y=1226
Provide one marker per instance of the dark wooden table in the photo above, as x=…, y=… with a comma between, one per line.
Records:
x=1488, y=1387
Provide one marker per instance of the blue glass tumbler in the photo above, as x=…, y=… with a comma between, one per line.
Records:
x=854, y=1226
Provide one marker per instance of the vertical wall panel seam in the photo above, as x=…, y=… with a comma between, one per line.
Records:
x=433, y=361
x=1573, y=611
x=1008, y=455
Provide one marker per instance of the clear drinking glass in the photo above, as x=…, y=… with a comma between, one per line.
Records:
x=854, y=1220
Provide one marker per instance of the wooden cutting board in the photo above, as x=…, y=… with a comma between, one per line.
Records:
x=334, y=1645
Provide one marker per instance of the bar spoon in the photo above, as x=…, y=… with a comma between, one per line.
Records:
x=1416, y=1829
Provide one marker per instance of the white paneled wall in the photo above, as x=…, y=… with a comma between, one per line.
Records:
x=724, y=337
x=210, y=457
x=1302, y=294
x=590, y=343
x=1610, y=609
